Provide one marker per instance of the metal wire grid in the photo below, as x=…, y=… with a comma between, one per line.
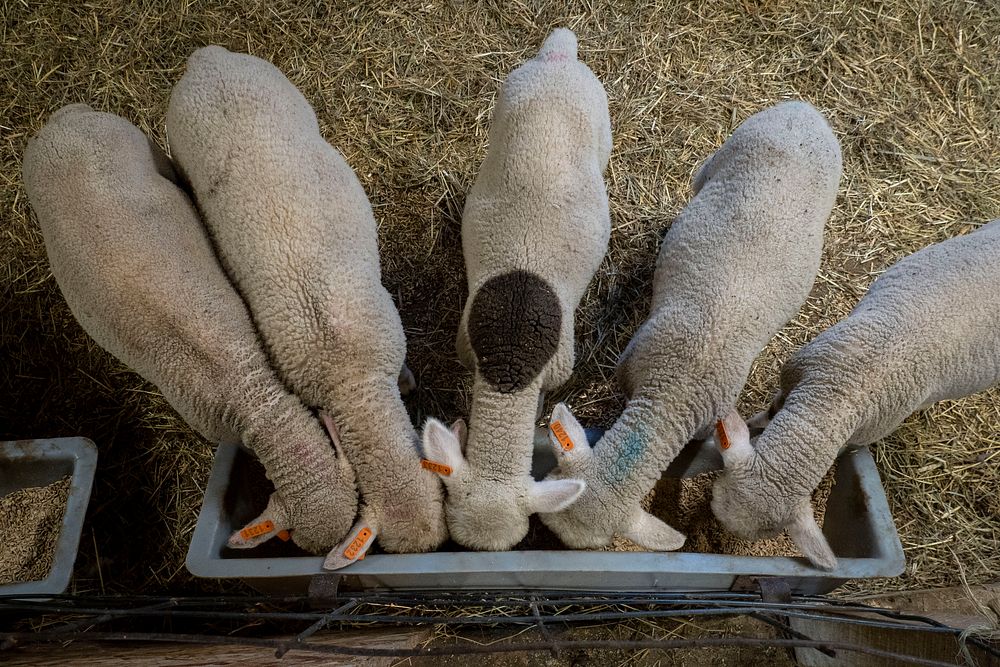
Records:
x=152, y=619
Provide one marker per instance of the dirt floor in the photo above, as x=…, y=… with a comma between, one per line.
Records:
x=405, y=91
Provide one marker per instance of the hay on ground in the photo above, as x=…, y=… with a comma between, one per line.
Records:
x=405, y=91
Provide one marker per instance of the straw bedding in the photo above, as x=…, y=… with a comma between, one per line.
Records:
x=405, y=91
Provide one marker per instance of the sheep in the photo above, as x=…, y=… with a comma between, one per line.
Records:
x=134, y=264
x=925, y=331
x=534, y=230
x=296, y=233
x=734, y=267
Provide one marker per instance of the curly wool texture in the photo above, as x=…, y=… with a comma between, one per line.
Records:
x=514, y=326
x=296, y=233
x=138, y=272
x=735, y=266
x=925, y=331
x=536, y=221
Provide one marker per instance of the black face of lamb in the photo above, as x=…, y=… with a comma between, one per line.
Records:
x=514, y=327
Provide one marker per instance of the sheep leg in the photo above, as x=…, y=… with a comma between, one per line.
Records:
x=702, y=175
x=463, y=348
x=759, y=421
x=407, y=382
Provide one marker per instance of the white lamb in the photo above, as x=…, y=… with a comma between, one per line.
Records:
x=535, y=229
x=139, y=273
x=927, y=330
x=735, y=266
x=295, y=230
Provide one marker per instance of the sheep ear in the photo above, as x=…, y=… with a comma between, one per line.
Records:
x=569, y=440
x=651, y=533
x=809, y=538
x=442, y=450
x=273, y=522
x=733, y=439
x=354, y=547
x=332, y=431
x=554, y=495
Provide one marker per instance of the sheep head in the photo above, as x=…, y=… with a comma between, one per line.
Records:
x=482, y=513
x=745, y=502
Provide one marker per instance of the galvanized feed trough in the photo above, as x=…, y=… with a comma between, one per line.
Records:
x=858, y=525
x=27, y=463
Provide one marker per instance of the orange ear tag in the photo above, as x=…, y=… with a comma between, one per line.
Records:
x=256, y=530
x=439, y=468
x=284, y=535
x=561, y=435
x=721, y=435
x=364, y=535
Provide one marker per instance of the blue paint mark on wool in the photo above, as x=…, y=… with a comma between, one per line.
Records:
x=628, y=451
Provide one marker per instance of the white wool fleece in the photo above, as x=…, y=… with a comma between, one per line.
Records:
x=735, y=266
x=295, y=231
x=534, y=230
x=138, y=272
x=927, y=330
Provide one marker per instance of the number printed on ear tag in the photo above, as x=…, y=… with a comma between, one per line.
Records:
x=721, y=435
x=562, y=436
x=357, y=543
x=256, y=530
x=433, y=466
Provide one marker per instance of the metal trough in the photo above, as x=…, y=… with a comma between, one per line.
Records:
x=858, y=525
x=26, y=463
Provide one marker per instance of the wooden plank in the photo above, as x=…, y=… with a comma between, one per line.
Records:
x=193, y=655
x=951, y=606
x=944, y=648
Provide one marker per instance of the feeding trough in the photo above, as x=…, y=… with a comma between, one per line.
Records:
x=41, y=464
x=858, y=526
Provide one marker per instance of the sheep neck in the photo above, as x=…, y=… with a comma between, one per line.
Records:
x=378, y=438
x=633, y=453
x=291, y=449
x=502, y=430
x=803, y=439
